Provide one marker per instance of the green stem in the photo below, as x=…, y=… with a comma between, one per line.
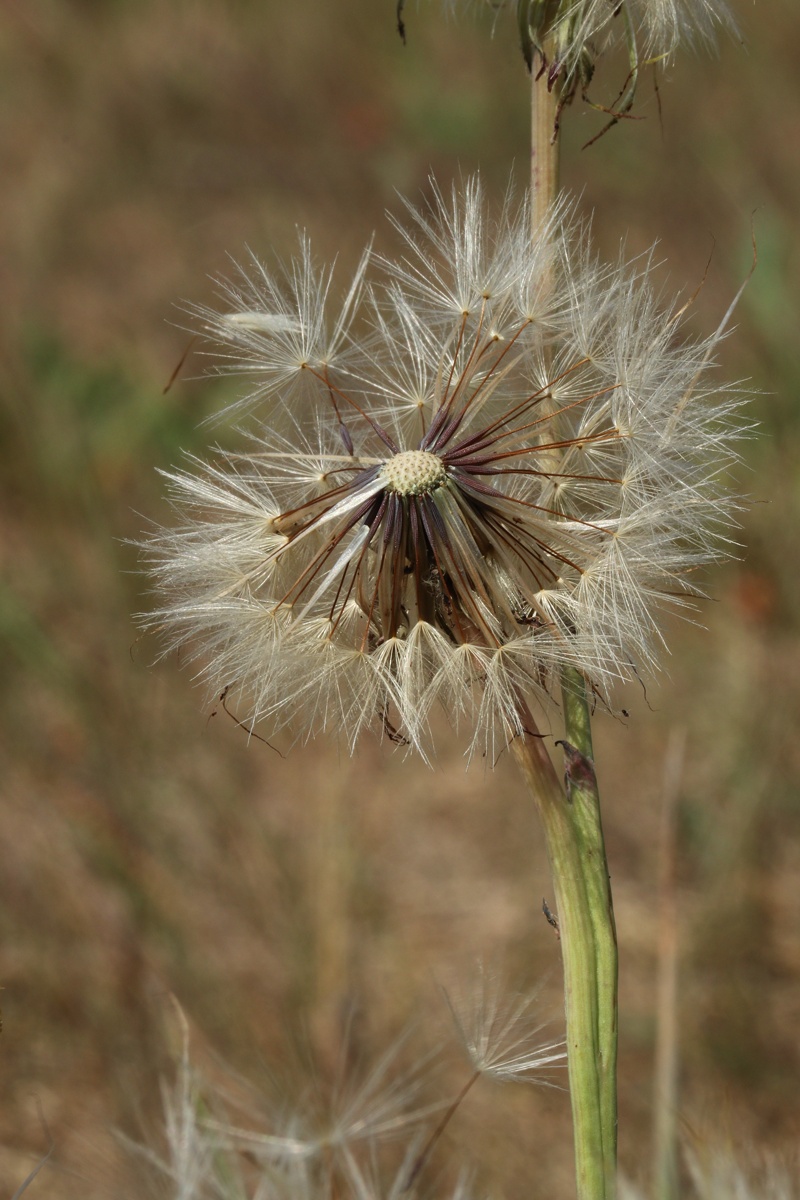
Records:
x=586, y=805
x=573, y=896
x=572, y=824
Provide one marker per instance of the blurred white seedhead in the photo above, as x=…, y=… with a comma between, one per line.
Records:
x=309, y=1150
x=569, y=35
x=501, y=1034
x=192, y=1166
x=363, y=1110
x=719, y=1173
x=584, y=27
x=494, y=461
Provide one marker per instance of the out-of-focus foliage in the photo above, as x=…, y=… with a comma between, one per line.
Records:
x=147, y=847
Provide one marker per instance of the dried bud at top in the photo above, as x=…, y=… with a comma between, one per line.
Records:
x=568, y=35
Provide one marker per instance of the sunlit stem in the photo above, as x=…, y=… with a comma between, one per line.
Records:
x=544, y=141
x=571, y=820
x=585, y=805
x=565, y=851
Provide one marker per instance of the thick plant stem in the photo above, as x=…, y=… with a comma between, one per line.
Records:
x=566, y=851
x=544, y=145
x=571, y=820
x=582, y=784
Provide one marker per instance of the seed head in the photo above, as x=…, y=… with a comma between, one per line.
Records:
x=509, y=466
x=578, y=30
x=500, y=1034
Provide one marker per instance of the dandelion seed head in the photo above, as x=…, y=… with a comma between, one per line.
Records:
x=446, y=499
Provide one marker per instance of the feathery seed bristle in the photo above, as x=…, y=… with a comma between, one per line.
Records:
x=513, y=471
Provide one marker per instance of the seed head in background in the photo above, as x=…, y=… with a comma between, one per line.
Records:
x=577, y=31
x=368, y=1132
x=492, y=461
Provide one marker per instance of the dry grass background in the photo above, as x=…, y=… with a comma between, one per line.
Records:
x=146, y=849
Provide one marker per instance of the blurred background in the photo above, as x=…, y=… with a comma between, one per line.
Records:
x=146, y=847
